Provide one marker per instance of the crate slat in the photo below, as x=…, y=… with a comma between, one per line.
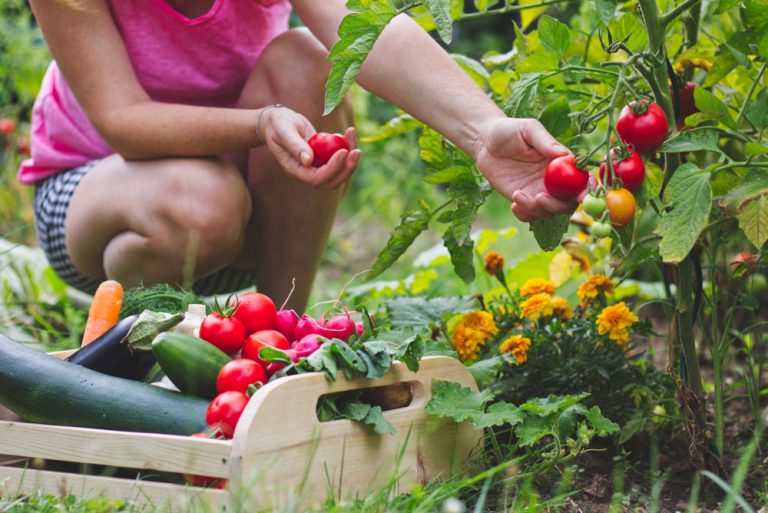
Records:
x=116, y=448
x=19, y=481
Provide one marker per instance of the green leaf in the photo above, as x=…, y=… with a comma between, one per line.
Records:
x=411, y=351
x=629, y=26
x=148, y=326
x=758, y=111
x=349, y=357
x=358, y=32
x=631, y=428
x=556, y=117
x=432, y=150
x=708, y=103
x=483, y=5
x=762, y=47
x=412, y=223
x=723, y=64
x=755, y=14
x=414, y=312
x=377, y=356
x=606, y=9
x=601, y=425
x=485, y=370
x=499, y=414
x=448, y=174
x=531, y=430
x=367, y=414
x=461, y=255
x=704, y=138
x=521, y=98
x=688, y=199
x=473, y=68
x=549, y=231
x=440, y=11
x=395, y=126
x=272, y=355
x=749, y=204
x=554, y=35
x=454, y=401
x=553, y=404
x=756, y=149
x=467, y=197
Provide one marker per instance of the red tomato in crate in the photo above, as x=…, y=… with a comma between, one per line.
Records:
x=226, y=333
x=224, y=412
x=256, y=341
x=239, y=374
x=256, y=311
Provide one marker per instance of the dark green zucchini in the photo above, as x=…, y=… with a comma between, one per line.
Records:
x=191, y=363
x=43, y=389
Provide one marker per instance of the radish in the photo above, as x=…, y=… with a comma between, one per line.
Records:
x=360, y=328
x=274, y=367
x=343, y=326
x=286, y=323
x=308, y=326
x=307, y=345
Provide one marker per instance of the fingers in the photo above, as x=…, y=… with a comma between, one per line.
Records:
x=527, y=208
x=541, y=140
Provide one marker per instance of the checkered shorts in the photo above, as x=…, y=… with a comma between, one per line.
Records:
x=52, y=197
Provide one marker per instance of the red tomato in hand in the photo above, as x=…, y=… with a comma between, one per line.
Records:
x=201, y=480
x=621, y=207
x=238, y=374
x=629, y=169
x=643, y=124
x=226, y=333
x=256, y=341
x=224, y=412
x=256, y=311
x=324, y=145
x=563, y=179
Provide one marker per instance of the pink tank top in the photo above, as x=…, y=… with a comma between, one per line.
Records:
x=200, y=61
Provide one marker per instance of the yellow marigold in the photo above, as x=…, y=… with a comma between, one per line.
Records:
x=594, y=285
x=536, y=306
x=493, y=262
x=518, y=346
x=560, y=307
x=616, y=321
x=537, y=286
x=471, y=333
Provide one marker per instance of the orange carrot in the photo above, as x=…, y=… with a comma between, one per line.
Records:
x=104, y=310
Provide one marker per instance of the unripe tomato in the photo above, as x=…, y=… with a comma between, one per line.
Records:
x=593, y=205
x=621, y=207
x=643, y=124
x=630, y=169
x=563, y=179
x=324, y=145
x=600, y=230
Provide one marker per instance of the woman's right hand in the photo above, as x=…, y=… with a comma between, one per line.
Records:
x=286, y=132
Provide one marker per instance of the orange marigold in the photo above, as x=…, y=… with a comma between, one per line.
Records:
x=536, y=306
x=537, y=286
x=518, y=346
x=595, y=285
x=493, y=263
x=560, y=307
x=616, y=321
x=471, y=333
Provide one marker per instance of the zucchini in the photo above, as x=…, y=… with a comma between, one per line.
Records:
x=43, y=389
x=191, y=363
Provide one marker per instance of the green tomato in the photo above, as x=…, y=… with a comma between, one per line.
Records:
x=601, y=230
x=593, y=205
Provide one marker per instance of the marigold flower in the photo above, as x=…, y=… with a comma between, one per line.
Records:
x=594, y=285
x=536, y=306
x=537, y=286
x=518, y=346
x=616, y=321
x=471, y=333
x=493, y=263
x=560, y=307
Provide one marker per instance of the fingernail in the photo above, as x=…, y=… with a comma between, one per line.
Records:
x=559, y=147
x=304, y=157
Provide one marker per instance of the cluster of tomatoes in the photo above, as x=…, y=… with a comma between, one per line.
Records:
x=250, y=323
x=7, y=129
x=642, y=127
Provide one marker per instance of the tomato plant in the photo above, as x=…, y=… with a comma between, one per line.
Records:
x=224, y=412
x=239, y=374
x=564, y=179
x=628, y=166
x=621, y=207
x=643, y=124
x=256, y=311
x=325, y=145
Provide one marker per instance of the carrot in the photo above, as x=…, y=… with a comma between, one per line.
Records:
x=104, y=310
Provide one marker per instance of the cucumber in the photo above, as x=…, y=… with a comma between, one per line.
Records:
x=43, y=389
x=191, y=363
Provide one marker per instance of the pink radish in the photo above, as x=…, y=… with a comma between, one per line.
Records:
x=360, y=328
x=307, y=326
x=286, y=323
x=307, y=345
x=343, y=326
x=274, y=367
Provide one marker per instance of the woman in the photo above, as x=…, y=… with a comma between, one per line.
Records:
x=170, y=138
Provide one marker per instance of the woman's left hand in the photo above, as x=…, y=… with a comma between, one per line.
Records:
x=513, y=155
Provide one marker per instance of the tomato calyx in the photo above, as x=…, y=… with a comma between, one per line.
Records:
x=226, y=311
x=640, y=107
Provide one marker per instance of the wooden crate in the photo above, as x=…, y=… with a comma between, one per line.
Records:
x=280, y=451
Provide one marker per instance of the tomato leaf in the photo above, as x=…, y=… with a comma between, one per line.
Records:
x=358, y=32
x=467, y=197
x=606, y=9
x=440, y=11
x=554, y=35
x=412, y=223
x=549, y=231
x=687, y=201
x=461, y=255
x=415, y=312
x=629, y=27
x=432, y=150
x=522, y=94
x=758, y=111
x=556, y=117
x=704, y=138
x=708, y=103
x=483, y=5
x=449, y=174
x=749, y=204
x=394, y=127
x=755, y=14
x=473, y=68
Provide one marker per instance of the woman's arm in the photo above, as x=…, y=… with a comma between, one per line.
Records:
x=409, y=69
